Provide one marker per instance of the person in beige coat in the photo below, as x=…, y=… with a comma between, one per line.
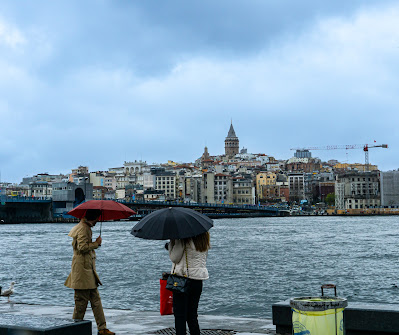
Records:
x=83, y=277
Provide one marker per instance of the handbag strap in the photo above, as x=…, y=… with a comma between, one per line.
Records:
x=174, y=264
x=185, y=251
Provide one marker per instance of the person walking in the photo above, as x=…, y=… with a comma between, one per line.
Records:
x=189, y=259
x=83, y=277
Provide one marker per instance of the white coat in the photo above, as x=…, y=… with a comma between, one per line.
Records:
x=196, y=260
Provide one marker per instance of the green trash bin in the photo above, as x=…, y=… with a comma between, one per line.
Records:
x=322, y=315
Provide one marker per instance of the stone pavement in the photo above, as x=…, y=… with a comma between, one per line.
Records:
x=130, y=322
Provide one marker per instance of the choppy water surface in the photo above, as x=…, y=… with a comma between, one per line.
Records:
x=252, y=264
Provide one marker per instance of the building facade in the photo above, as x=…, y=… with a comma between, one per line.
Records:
x=390, y=188
x=166, y=181
x=357, y=190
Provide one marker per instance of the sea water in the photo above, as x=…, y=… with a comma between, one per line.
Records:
x=252, y=264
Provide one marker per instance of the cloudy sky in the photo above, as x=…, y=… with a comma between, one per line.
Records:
x=101, y=82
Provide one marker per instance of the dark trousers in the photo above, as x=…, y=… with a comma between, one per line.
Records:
x=185, y=309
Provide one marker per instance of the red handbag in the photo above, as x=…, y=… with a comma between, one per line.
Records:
x=166, y=299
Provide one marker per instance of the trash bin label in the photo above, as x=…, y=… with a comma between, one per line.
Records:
x=328, y=322
x=300, y=329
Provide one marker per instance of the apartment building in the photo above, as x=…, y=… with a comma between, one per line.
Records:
x=99, y=192
x=208, y=188
x=223, y=188
x=296, y=184
x=243, y=190
x=110, y=181
x=166, y=181
x=263, y=180
x=357, y=190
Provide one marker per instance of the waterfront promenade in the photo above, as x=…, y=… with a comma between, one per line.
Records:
x=122, y=321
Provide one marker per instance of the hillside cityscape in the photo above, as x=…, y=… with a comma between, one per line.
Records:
x=235, y=177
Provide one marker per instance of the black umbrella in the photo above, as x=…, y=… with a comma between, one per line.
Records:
x=172, y=223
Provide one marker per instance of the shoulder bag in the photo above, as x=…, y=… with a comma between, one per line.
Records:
x=178, y=284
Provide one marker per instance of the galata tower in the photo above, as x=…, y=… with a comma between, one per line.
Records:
x=231, y=143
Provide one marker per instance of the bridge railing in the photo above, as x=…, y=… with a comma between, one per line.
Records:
x=24, y=199
x=202, y=205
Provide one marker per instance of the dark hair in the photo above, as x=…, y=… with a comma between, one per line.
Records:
x=92, y=214
x=202, y=242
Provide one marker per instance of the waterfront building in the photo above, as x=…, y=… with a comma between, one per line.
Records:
x=390, y=188
x=223, y=185
x=316, y=185
x=296, y=184
x=357, y=190
x=208, y=188
x=243, y=190
x=194, y=188
x=263, y=179
x=67, y=195
x=231, y=143
x=40, y=189
x=326, y=188
x=271, y=187
x=154, y=195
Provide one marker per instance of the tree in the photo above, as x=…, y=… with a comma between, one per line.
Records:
x=330, y=199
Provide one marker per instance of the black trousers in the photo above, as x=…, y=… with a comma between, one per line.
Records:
x=185, y=309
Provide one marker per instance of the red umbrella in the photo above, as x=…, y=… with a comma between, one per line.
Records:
x=110, y=210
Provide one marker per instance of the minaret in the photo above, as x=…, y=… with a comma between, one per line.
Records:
x=231, y=143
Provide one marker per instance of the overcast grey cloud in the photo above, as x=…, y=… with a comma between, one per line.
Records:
x=100, y=82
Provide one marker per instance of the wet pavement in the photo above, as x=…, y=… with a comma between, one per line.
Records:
x=131, y=322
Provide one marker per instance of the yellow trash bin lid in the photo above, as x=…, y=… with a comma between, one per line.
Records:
x=313, y=304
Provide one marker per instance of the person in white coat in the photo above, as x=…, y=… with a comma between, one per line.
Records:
x=189, y=259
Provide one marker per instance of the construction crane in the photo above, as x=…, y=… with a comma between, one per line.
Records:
x=365, y=148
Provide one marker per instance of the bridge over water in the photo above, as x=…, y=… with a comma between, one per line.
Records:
x=28, y=209
x=211, y=210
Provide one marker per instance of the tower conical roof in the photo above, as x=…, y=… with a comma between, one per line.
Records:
x=232, y=133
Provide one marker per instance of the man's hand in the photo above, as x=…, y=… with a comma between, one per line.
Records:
x=99, y=240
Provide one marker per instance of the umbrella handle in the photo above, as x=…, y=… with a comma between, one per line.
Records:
x=101, y=223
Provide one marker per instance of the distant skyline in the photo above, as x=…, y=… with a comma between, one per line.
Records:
x=99, y=83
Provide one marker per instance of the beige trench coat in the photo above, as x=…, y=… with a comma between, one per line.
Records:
x=83, y=275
